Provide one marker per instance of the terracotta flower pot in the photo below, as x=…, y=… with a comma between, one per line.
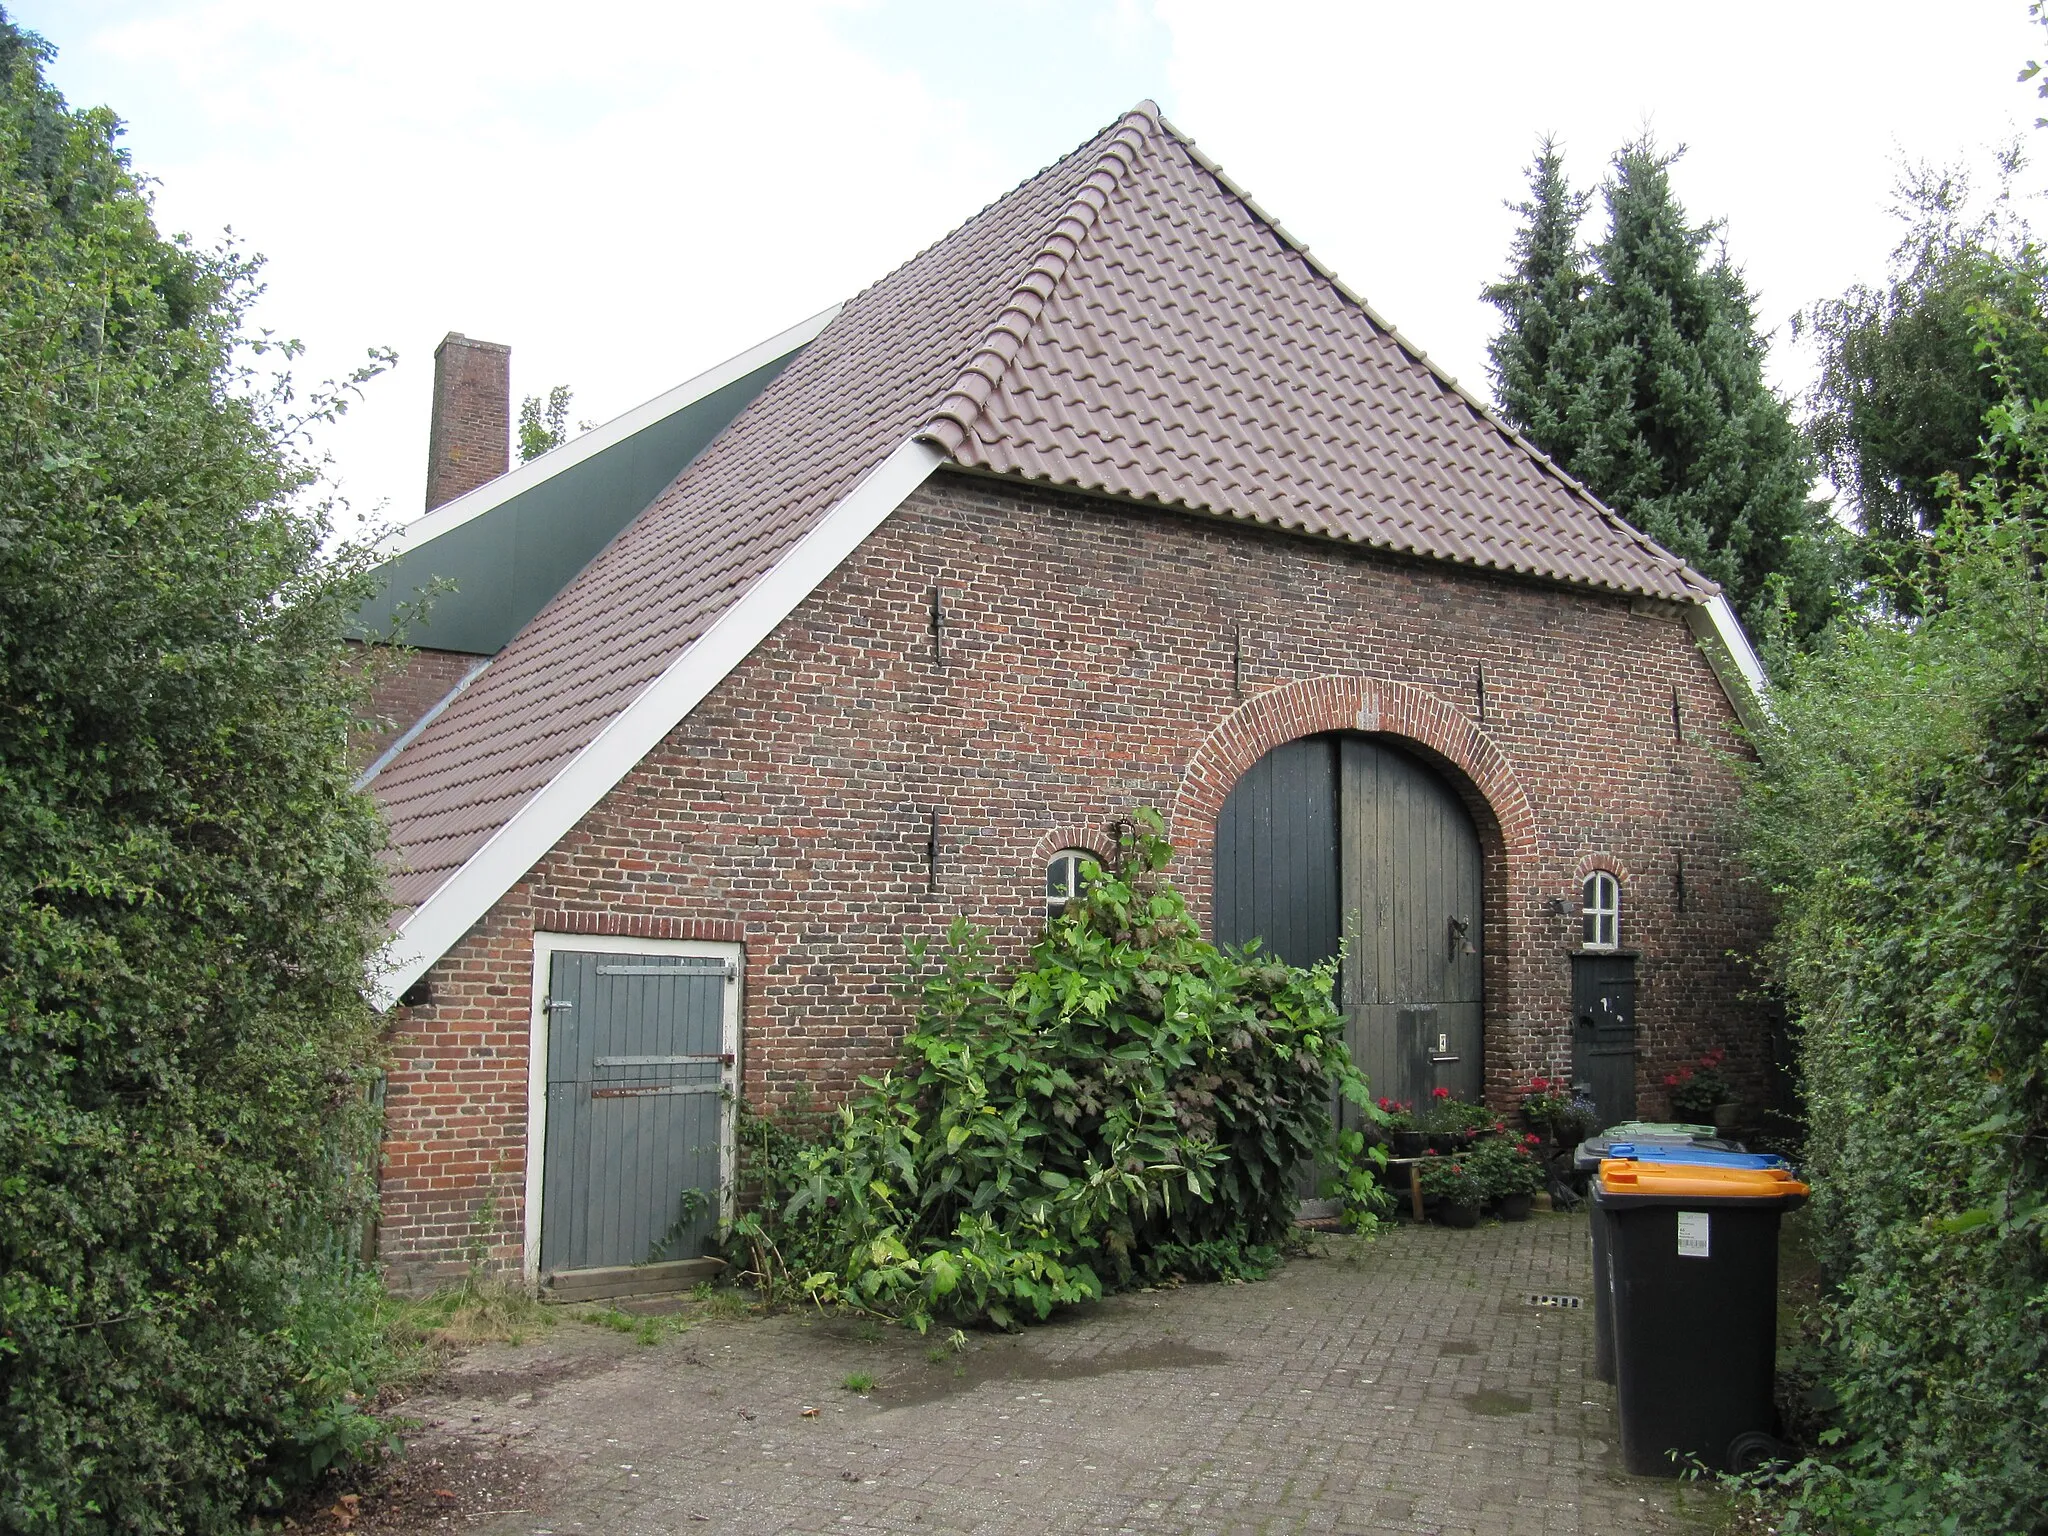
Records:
x=1458, y=1215
x=1409, y=1143
x=1514, y=1207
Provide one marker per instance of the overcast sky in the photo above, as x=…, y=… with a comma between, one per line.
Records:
x=627, y=193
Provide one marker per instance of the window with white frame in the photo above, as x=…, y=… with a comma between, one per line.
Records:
x=1063, y=879
x=1602, y=911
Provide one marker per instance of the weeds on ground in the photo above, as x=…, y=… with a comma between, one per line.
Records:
x=645, y=1328
x=721, y=1302
x=859, y=1381
x=940, y=1353
x=482, y=1309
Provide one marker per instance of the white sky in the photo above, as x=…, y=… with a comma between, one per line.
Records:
x=627, y=193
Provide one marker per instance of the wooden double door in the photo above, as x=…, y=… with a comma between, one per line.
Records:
x=1346, y=840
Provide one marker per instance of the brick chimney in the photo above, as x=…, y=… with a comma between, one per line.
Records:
x=471, y=439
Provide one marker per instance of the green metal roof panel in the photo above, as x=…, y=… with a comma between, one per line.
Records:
x=506, y=562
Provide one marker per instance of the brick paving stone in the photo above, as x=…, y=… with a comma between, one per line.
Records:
x=1401, y=1385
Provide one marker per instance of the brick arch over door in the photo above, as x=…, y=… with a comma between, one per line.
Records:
x=1374, y=706
x=1446, y=737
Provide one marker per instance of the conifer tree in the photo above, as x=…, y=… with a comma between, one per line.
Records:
x=1540, y=296
x=1653, y=393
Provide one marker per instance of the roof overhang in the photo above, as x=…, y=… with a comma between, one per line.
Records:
x=1734, y=660
x=438, y=924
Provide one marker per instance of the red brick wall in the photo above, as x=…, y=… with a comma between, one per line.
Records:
x=1088, y=666
x=470, y=439
x=406, y=684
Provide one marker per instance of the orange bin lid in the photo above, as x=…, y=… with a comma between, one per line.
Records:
x=1620, y=1176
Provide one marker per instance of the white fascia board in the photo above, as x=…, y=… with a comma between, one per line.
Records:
x=439, y=923
x=525, y=477
x=1720, y=634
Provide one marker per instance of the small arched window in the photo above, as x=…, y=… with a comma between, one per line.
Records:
x=1602, y=911
x=1063, y=879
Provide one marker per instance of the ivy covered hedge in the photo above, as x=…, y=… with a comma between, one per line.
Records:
x=1134, y=1103
x=1901, y=812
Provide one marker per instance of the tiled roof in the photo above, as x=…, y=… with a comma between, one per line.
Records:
x=1125, y=322
x=1197, y=357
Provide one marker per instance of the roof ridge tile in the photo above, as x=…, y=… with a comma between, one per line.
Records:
x=952, y=420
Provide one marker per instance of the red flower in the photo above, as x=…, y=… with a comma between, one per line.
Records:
x=1429, y=1151
x=1670, y=1079
x=1539, y=1085
x=1386, y=1104
x=1532, y=1140
x=1439, y=1093
x=1500, y=1125
x=1685, y=1074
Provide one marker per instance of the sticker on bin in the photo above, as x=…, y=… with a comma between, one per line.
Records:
x=1693, y=1235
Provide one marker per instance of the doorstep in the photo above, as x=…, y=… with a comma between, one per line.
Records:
x=617, y=1280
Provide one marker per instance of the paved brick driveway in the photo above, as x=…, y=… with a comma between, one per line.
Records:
x=1401, y=1385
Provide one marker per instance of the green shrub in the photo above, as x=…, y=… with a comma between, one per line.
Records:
x=190, y=893
x=1134, y=1104
x=1901, y=813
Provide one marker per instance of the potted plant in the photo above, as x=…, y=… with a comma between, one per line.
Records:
x=1452, y=1184
x=1451, y=1124
x=1399, y=1126
x=1551, y=1109
x=1508, y=1173
x=1700, y=1093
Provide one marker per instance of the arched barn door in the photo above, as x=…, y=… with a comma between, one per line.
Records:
x=1346, y=836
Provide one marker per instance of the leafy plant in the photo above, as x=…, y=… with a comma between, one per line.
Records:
x=544, y=425
x=1898, y=813
x=190, y=888
x=1446, y=1116
x=1696, y=1091
x=1133, y=1104
x=691, y=1205
x=1356, y=1180
x=858, y=1381
x=1506, y=1166
x=1549, y=1103
x=1452, y=1179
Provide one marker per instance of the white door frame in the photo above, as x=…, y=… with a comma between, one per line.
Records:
x=545, y=947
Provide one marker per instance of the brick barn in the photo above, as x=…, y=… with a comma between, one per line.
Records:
x=1115, y=496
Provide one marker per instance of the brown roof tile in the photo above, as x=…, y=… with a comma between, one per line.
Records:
x=1193, y=357
x=1125, y=323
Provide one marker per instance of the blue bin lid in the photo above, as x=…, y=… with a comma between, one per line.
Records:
x=1586, y=1157
x=1698, y=1157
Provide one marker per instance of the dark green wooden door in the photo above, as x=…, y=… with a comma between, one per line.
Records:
x=1335, y=837
x=1413, y=897
x=638, y=1063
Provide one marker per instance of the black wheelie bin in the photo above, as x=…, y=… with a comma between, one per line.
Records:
x=1587, y=1160
x=1692, y=1256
